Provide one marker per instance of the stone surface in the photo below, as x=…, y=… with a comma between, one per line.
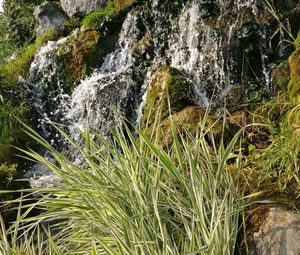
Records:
x=278, y=233
x=82, y=7
x=49, y=15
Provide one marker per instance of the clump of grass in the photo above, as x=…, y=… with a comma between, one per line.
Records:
x=134, y=197
x=274, y=168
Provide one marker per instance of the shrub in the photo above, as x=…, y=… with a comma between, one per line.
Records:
x=19, y=21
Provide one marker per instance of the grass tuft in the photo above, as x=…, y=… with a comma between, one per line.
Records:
x=134, y=197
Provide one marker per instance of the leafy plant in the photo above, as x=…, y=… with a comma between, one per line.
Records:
x=19, y=21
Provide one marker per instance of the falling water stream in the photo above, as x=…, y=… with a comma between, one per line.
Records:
x=200, y=44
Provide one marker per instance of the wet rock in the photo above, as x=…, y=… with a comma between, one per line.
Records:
x=104, y=102
x=49, y=15
x=82, y=7
x=278, y=233
x=209, y=8
x=144, y=48
x=248, y=31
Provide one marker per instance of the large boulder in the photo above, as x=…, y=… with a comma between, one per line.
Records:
x=49, y=15
x=277, y=232
x=82, y=7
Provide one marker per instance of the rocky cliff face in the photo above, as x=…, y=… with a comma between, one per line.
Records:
x=224, y=49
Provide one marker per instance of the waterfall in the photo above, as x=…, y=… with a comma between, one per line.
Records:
x=202, y=44
x=47, y=89
x=101, y=99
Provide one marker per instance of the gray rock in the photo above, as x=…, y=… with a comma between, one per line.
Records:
x=49, y=16
x=279, y=234
x=82, y=7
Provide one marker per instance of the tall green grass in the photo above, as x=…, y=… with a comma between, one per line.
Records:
x=131, y=196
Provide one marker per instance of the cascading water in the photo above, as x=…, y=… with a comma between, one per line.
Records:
x=202, y=39
x=46, y=86
x=101, y=99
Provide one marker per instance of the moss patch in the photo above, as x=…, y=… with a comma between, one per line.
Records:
x=75, y=54
x=281, y=77
x=191, y=119
x=84, y=52
x=95, y=19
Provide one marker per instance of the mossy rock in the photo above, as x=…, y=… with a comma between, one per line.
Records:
x=297, y=41
x=294, y=84
x=191, y=119
x=144, y=48
x=281, y=77
x=75, y=54
x=167, y=85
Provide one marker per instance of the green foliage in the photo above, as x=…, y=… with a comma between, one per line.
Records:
x=19, y=21
x=272, y=163
x=133, y=197
x=8, y=118
x=95, y=19
x=19, y=66
x=283, y=26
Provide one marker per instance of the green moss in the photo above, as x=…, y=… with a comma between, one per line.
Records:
x=294, y=84
x=95, y=19
x=84, y=52
x=281, y=77
x=297, y=41
x=167, y=84
x=123, y=4
x=12, y=70
x=76, y=53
